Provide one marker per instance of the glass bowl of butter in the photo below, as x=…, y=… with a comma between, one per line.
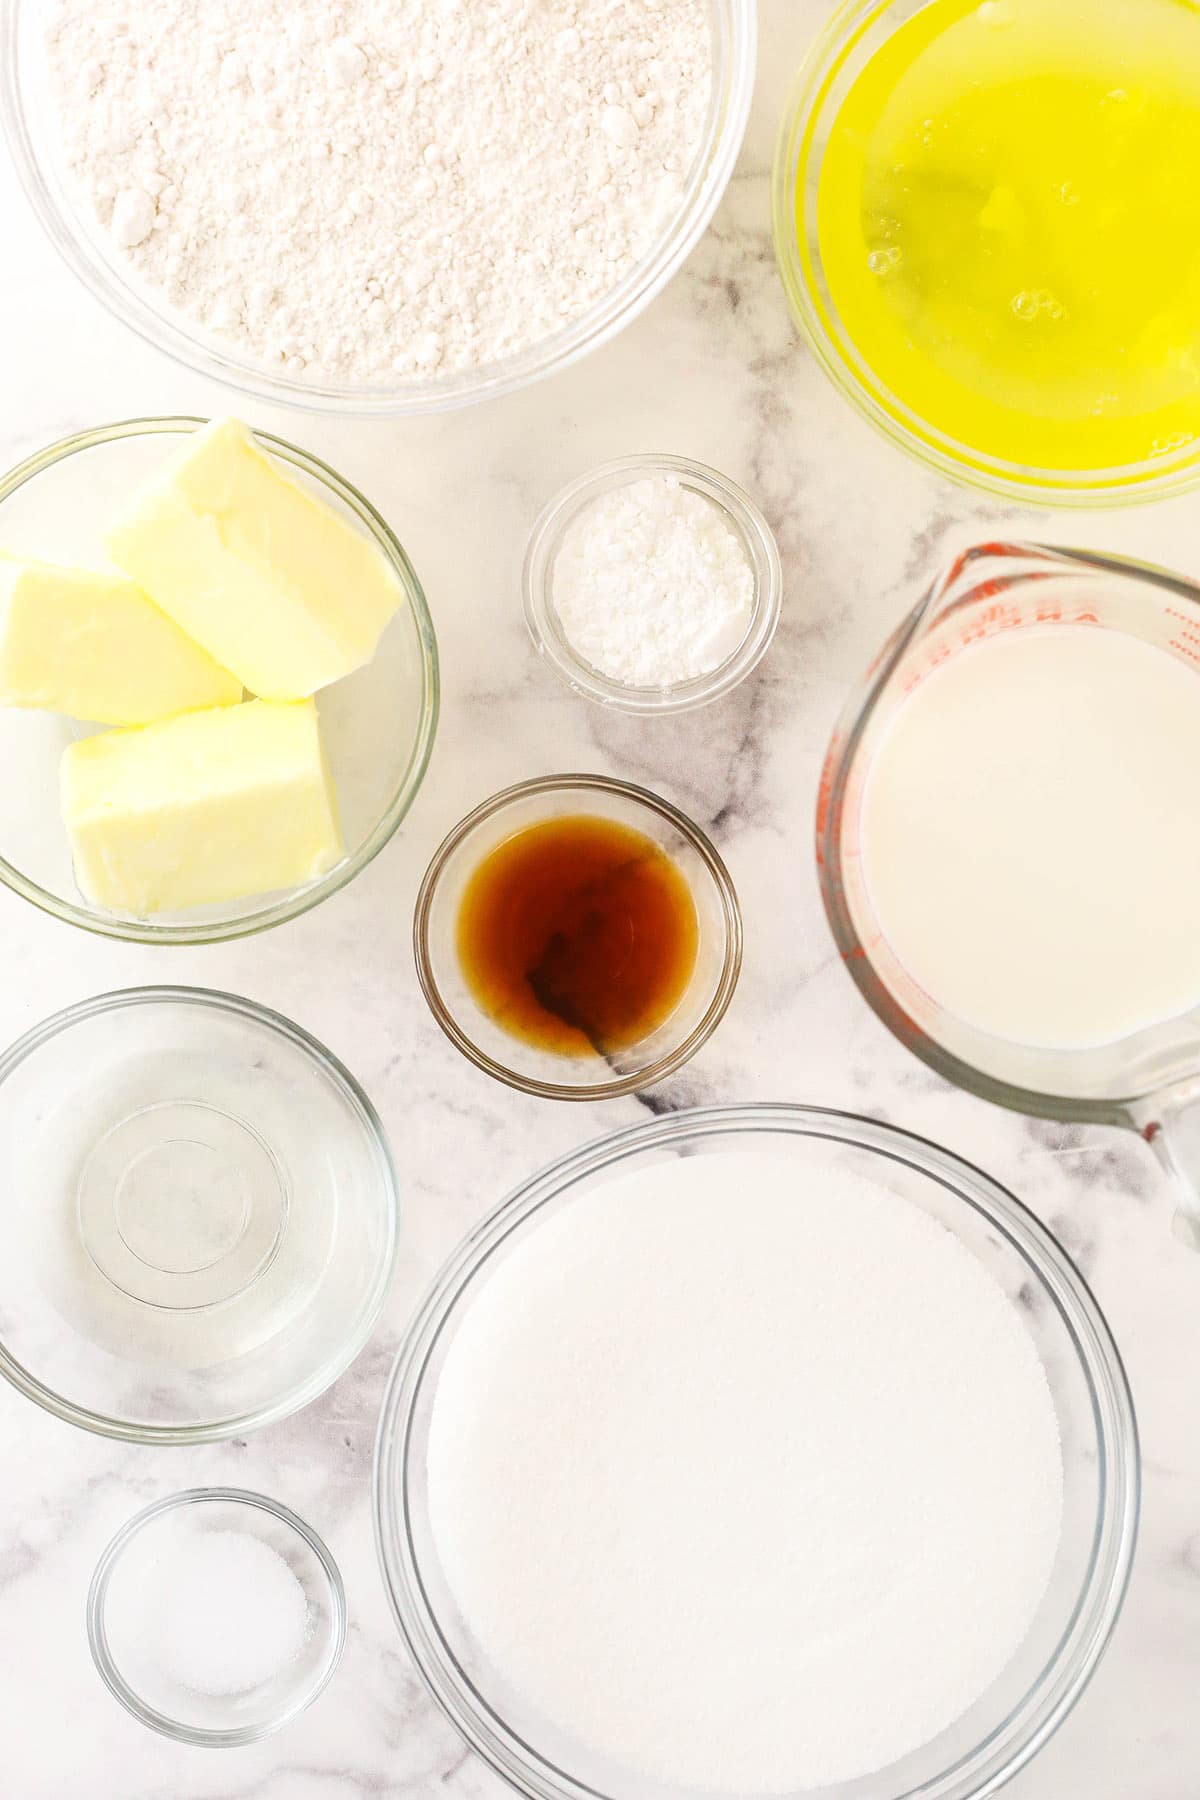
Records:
x=218, y=680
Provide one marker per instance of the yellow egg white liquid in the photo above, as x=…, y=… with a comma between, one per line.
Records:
x=1009, y=224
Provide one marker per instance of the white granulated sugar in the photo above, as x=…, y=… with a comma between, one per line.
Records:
x=219, y=1611
x=744, y=1474
x=651, y=584
x=352, y=190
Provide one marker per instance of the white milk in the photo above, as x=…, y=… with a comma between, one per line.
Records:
x=1031, y=836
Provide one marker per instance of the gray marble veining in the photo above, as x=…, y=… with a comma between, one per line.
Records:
x=713, y=370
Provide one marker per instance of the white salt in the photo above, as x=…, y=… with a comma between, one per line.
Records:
x=745, y=1476
x=219, y=1611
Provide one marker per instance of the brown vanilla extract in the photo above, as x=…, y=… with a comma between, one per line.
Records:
x=578, y=934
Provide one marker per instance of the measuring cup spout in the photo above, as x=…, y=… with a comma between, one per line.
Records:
x=1170, y=1123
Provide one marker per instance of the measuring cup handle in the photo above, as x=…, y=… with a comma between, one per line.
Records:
x=1170, y=1124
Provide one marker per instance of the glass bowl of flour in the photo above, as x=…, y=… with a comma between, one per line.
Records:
x=375, y=210
x=758, y=1450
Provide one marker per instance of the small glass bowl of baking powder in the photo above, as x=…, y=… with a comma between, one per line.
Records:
x=216, y=1616
x=652, y=584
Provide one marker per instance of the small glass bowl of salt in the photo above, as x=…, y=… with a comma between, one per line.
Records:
x=652, y=584
x=216, y=1616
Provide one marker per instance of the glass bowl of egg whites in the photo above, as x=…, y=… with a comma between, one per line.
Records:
x=218, y=680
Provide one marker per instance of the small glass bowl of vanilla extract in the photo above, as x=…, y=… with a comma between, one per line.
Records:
x=578, y=938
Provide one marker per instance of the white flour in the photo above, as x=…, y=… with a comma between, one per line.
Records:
x=355, y=189
x=745, y=1476
x=651, y=584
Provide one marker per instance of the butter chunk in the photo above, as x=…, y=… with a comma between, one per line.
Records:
x=91, y=645
x=206, y=807
x=268, y=579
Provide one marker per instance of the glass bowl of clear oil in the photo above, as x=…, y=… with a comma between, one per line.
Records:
x=987, y=220
x=200, y=1221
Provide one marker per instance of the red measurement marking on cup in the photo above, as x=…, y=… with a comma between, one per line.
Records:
x=990, y=622
x=1186, y=638
x=833, y=757
x=1052, y=612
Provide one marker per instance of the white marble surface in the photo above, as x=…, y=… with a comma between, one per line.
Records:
x=713, y=370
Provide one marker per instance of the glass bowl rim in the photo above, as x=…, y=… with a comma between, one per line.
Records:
x=303, y=1394
x=1127, y=485
x=645, y=800
x=554, y=645
x=98, y=1637
x=1010, y=1744
x=734, y=67
x=300, y=900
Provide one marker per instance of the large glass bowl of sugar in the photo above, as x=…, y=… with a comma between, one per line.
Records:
x=378, y=724
x=953, y=1210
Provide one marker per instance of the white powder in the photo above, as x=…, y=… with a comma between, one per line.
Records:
x=651, y=584
x=750, y=1481
x=355, y=189
x=218, y=1611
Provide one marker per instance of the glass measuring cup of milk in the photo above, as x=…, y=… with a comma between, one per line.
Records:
x=1016, y=608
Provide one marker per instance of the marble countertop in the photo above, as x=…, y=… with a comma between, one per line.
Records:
x=713, y=370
